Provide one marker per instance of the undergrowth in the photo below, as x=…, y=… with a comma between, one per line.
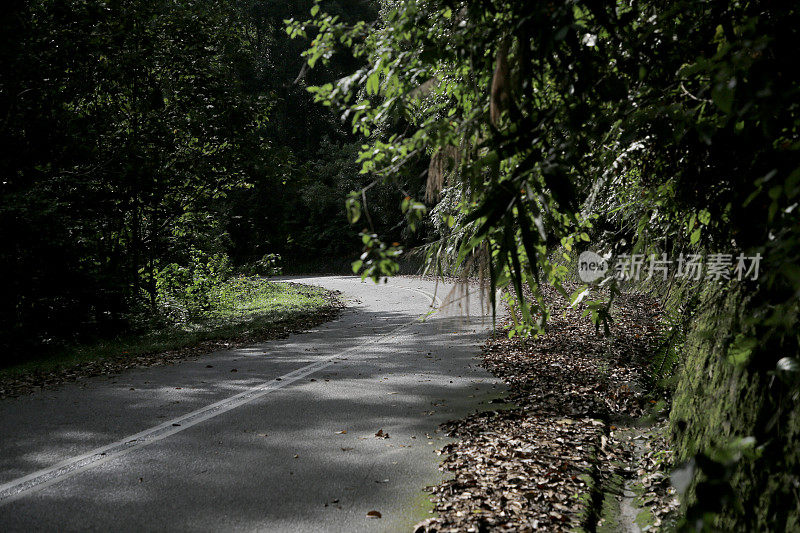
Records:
x=238, y=307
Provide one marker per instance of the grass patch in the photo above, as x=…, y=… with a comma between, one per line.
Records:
x=246, y=299
x=241, y=311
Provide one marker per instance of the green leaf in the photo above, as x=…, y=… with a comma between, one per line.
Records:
x=353, y=208
x=722, y=95
x=373, y=83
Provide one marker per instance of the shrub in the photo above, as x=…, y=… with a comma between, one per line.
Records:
x=184, y=291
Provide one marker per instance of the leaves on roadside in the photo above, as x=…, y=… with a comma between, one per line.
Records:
x=531, y=467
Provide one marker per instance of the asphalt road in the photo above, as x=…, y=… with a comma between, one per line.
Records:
x=285, y=443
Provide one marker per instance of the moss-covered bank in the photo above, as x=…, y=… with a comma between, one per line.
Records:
x=737, y=424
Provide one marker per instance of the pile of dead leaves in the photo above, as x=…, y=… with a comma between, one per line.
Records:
x=27, y=382
x=538, y=464
x=515, y=471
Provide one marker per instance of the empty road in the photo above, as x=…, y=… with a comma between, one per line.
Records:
x=278, y=436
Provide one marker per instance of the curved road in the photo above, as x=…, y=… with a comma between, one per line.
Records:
x=285, y=443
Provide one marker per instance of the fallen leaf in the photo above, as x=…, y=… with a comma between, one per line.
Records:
x=523, y=465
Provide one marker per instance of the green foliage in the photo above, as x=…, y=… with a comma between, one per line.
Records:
x=378, y=259
x=184, y=293
x=326, y=181
x=143, y=132
x=127, y=125
x=572, y=104
x=658, y=127
x=242, y=309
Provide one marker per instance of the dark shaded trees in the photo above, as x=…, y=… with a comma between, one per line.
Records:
x=125, y=123
x=144, y=137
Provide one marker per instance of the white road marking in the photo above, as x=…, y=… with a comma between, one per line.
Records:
x=17, y=488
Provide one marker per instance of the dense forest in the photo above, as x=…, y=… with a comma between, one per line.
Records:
x=153, y=147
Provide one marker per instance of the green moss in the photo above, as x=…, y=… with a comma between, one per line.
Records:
x=584, y=501
x=644, y=518
x=422, y=507
x=610, y=514
x=715, y=404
